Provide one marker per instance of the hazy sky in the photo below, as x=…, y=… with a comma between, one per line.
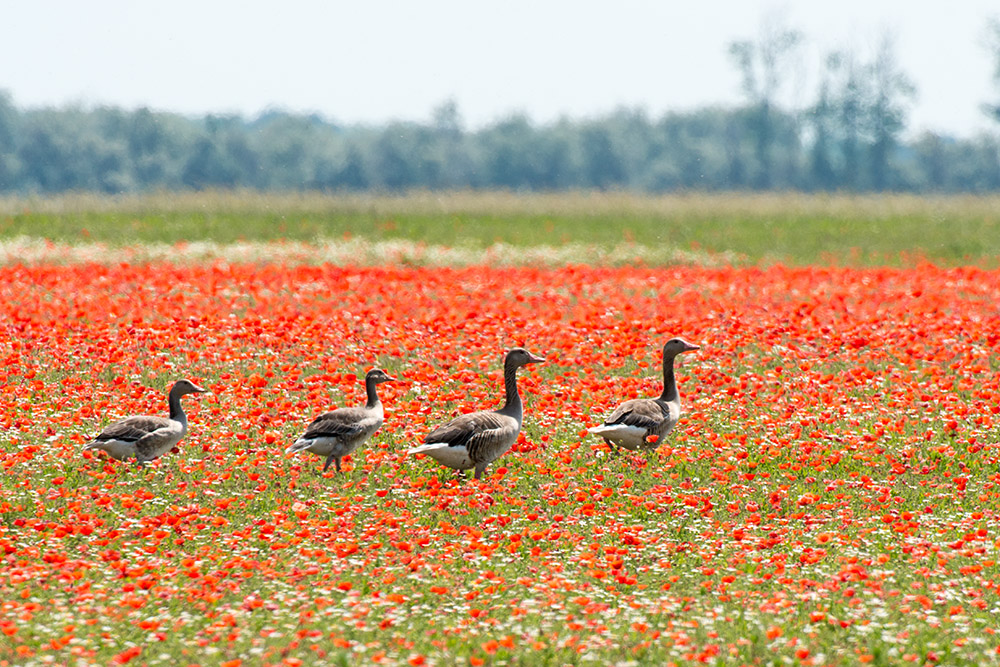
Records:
x=375, y=60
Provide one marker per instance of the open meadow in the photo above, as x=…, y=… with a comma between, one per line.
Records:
x=830, y=496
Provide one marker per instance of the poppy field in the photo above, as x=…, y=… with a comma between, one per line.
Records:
x=831, y=494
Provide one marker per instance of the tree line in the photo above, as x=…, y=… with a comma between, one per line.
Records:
x=850, y=138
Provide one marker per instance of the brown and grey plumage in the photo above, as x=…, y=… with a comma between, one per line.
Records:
x=338, y=433
x=475, y=440
x=143, y=437
x=635, y=421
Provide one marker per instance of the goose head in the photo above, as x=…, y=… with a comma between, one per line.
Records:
x=378, y=376
x=184, y=387
x=675, y=346
x=519, y=356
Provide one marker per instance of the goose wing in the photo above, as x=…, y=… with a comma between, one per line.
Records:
x=481, y=433
x=341, y=423
x=643, y=413
x=158, y=442
x=133, y=429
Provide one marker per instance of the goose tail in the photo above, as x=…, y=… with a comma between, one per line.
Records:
x=428, y=447
x=299, y=445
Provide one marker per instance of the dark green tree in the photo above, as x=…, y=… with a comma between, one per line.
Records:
x=9, y=119
x=602, y=166
x=764, y=65
x=931, y=153
x=449, y=147
x=222, y=157
x=147, y=143
x=821, y=118
x=844, y=114
x=509, y=156
x=890, y=91
x=208, y=167
x=352, y=174
x=992, y=109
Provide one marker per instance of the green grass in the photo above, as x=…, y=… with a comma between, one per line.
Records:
x=793, y=228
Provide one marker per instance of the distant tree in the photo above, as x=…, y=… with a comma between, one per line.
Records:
x=890, y=91
x=207, y=167
x=42, y=158
x=9, y=118
x=992, y=109
x=69, y=150
x=737, y=176
x=822, y=118
x=448, y=147
x=446, y=120
x=974, y=165
x=509, y=153
x=850, y=137
x=851, y=116
x=839, y=121
x=946, y=164
x=989, y=170
x=147, y=145
x=931, y=160
x=602, y=166
x=144, y=134
x=244, y=161
x=702, y=150
x=634, y=143
x=8, y=121
x=556, y=164
x=346, y=171
x=764, y=65
x=223, y=157
x=397, y=158
x=287, y=147
x=352, y=175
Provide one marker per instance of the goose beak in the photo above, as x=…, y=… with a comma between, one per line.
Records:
x=688, y=347
x=199, y=390
x=532, y=359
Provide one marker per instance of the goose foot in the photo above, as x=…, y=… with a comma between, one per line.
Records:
x=331, y=460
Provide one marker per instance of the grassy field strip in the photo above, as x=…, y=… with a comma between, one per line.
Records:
x=581, y=227
x=507, y=204
x=356, y=251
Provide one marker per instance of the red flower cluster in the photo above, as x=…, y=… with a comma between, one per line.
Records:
x=835, y=466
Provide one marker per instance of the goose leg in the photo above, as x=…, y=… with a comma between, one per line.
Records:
x=611, y=446
x=479, y=471
x=330, y=459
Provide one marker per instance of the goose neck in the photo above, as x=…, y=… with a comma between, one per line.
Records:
x=513, y=404
x=176, y=411
x=371, y=386
x=669, y=381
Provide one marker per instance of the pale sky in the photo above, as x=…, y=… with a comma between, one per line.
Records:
x=376, y=60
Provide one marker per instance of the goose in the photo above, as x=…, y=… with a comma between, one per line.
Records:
x=336, y=434
x=635, y=420
x=478, y=439
x=144, y=437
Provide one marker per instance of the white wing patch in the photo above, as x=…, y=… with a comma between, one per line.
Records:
x=443, y=453
x=629, y=437
x=321, y=446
